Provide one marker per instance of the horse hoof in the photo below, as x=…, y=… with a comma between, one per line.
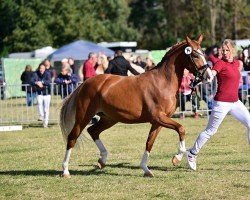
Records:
x=175, y=161
x=101, y=164
x=65, y=176
x=148, y=174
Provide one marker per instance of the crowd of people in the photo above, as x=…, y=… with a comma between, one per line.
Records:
x=41, y=82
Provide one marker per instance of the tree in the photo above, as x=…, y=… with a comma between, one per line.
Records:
x=31, y=24
x=155, y=24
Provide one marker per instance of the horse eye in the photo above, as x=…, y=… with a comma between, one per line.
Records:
x=195, y=55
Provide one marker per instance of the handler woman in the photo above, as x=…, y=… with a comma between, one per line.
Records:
x=225, y=101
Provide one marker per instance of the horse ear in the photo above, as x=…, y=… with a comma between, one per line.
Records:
x=200, y=38
x=188, y=40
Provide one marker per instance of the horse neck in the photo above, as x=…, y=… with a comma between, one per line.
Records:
x=173, y=69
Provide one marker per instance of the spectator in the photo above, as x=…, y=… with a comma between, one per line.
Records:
x=149, y=64
x=88, y=72
x=64, y=62
x=244, y=87
x=246, y=58
x=185, y=95
x=140, y=62
x=67, y=81
x=89, y=66
x=207, y=93
x=137, y=68
x=208, y=90
x=26, y=79
x=102, y=64
x=109, y=58
x=72, y=66
x=215, y=55
x=120, y=66
x=42, y=81
x=50, y=69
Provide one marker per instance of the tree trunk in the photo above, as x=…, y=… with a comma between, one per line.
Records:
x=234, y=20
x=222, y=21
x=213, y=17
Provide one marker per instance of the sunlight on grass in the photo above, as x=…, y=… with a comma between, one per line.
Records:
x=31, y=159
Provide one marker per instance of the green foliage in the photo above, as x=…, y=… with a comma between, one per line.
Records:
x=156, y=24
x=30, y=24
x=164, y=22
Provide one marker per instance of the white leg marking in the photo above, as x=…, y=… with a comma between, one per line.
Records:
x=182, y=146
x=102, y=149
x=65, y=163
x=144, y=162
x=181, y=150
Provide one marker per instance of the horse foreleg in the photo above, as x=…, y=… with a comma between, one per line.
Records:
x=150, y=141
x=169, y=123
x=94, y=132
x=178, y=157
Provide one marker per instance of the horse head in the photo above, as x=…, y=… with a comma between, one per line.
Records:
x=197, y=63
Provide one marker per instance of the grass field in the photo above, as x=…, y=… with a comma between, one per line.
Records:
x=30, y=165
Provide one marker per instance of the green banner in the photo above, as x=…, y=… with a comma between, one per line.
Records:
x=13, y=69
x=157, y=55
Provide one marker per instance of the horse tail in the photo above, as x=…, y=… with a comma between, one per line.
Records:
x=68, y=112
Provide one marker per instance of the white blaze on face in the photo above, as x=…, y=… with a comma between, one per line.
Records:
x=202, y=57
x=208, y=73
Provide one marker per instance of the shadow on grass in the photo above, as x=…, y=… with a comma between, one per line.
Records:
x=94, y=171
x=129, y=166
x=47, y=172
x=137, y=167
x=39, y=125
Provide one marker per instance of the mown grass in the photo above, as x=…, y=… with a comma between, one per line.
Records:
x=30, y=165
x=15, y=111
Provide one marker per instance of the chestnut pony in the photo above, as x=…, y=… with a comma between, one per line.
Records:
x=132, y=100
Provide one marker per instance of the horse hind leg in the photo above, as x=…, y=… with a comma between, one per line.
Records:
x=80, y=124
x=74, y=134
x=94, y=131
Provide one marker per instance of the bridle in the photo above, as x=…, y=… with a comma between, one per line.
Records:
x=198, y=76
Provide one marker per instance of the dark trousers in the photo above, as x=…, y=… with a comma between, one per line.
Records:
x=195, y=102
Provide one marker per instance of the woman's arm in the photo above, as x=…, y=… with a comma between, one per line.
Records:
x=209, y=75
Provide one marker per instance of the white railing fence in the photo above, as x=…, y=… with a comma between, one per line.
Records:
x=14, y=109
